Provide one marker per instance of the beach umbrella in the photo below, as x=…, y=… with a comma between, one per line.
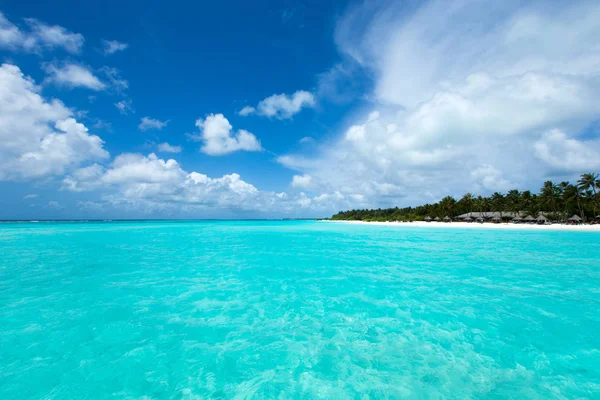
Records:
x=437, y=219
x=517, y=218
x=428, y=218
x=496, y=219
x=575, y=218
x=542, y=218
x=446, y=218
x=529, y=218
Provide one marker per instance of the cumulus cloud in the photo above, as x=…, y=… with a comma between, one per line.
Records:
x=147, y=123
x=301, y=181
x=563, y=153
x=73, y=75
x=39, y=137
x=281, y=106
x=158, y=183
x=285, y=106
x=168, y=148
x=38, y=37
x=218, y=138
x=113, y=46
x=247, y=110
x=464, y=98
x=155, y=185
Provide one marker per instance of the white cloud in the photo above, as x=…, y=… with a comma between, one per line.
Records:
x=55, y=204
x=157, y=183
x=113, y=46
x=124, y=106
x=30, y=196
x=464, y=96
x=285, y=106
x=301, y=181
x=54, y=36
x=73, y=75
x=148, y=123
x=39, y=137
x=168, y=148
x=136, y=168
x=218, y=138
x=563, y=153
x=490, y=179
x=281, y=106
x=151, y=184
x=40, y=36
x=247, y=110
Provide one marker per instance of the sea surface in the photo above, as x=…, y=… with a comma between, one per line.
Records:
x=296, y=310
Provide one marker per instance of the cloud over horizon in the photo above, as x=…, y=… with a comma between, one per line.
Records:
x=460, y=101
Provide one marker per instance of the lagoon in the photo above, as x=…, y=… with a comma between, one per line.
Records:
x=296, y=309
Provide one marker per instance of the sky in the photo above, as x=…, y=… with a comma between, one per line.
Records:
x=272, y=109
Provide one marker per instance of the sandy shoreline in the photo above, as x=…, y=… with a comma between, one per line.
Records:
x=475, y=225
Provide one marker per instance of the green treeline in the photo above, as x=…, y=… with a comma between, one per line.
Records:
x=557, y=201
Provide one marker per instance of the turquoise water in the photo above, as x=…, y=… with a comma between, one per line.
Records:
x=223, y=310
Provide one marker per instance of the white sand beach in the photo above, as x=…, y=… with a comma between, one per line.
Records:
x=475, y=225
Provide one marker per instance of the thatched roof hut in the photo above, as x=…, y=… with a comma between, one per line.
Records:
x=427, y=218
x=447, y=219
x=437, y=219
x=575, y=218
x=497, y=219
x=541, y=219
x=517, y=218
x=529, y=218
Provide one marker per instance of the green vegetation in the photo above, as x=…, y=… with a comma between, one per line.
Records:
x=557, y=201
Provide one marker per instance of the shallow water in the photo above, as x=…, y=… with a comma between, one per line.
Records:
x=292, y=309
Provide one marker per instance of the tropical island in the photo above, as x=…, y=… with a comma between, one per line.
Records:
x=557, y=203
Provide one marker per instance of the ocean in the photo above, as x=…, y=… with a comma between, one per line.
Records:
x=296, y=310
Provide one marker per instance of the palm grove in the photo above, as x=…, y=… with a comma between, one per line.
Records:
x=556, y=201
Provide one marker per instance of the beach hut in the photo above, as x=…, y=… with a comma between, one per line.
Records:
x=427, y=219
x=437, y=219
x=497, y=219
x=529, y=219
x=447, y=219
x=517, y=219
x=575, y=219
x=541, y=220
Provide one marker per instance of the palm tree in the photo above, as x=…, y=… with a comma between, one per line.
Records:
x=525, y=201
x=589, y=183
x=550, y=196
x=447, y=205
x=466, y=203
x=498, y=202
x=513, y=198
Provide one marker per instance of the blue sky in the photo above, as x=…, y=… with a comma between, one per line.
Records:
x=113, y=110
